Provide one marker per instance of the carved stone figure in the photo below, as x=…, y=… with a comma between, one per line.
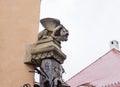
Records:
x=53, y=29
x=47, y=55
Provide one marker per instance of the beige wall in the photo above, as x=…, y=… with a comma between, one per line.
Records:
x=19, y=23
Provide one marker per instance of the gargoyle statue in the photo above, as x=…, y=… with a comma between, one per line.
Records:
x=53, y=29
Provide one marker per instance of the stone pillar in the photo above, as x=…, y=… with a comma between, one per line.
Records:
x=19, y=24
x=47, y=54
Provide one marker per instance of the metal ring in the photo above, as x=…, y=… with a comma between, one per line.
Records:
x=27, y=85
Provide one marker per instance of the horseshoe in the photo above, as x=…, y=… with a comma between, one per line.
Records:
x=27, y=85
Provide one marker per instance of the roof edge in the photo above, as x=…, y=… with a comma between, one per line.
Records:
x=93, y=63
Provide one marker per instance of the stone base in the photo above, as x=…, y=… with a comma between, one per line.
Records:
x=48, y=42
x=41, y=51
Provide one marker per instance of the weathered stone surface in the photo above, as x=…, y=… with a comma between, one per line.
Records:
x=53, y=69
x=50, y=23
x=42, y=53
x=53, y=29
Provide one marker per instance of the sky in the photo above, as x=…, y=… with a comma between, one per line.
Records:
x=92, y=24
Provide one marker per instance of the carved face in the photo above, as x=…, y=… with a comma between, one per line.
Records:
x=64, y=34
x=61, y=34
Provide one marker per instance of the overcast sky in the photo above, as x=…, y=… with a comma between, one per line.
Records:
x=92, y=24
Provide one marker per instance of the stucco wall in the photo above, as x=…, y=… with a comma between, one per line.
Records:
x=19, y=23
